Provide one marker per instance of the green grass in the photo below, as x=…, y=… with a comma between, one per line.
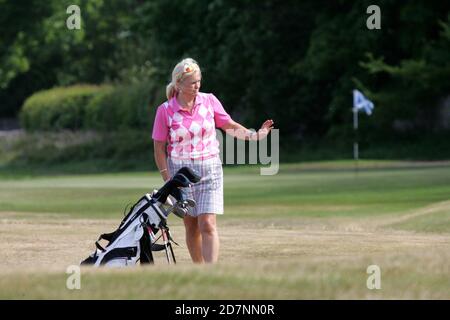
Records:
x=437, y=222
x=293, y=192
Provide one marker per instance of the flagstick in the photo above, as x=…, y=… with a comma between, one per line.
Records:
x=359, y=103
x=355, y=143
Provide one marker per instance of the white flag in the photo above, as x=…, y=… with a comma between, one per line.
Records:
x=362, y=103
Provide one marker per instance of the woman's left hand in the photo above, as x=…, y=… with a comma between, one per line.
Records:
x=265, y=129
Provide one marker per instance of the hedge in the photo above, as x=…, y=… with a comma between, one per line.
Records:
x=81, y=107
x=58, y=108
x=124, y=107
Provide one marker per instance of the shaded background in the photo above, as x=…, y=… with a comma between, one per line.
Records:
x=295, y=62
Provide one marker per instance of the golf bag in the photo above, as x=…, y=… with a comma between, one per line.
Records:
x=145, y=224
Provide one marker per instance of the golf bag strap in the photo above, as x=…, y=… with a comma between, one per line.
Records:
x=99, y=247
x=112, y=236
x=104, y=236
x=127, y=252
x=158, y=247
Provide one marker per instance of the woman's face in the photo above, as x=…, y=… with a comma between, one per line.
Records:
x=191, y=84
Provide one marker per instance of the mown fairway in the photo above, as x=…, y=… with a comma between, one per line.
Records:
x=309, y=232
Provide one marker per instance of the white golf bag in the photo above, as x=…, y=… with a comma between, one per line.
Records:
x=145, y=224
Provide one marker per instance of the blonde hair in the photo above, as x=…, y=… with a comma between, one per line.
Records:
x=184, y=68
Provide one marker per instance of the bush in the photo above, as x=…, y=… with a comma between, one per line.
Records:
x=103, y=108
x=58, y=108
x=124, y=107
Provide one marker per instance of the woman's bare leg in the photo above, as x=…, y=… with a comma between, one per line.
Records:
x=193, y=238
x=210, y=237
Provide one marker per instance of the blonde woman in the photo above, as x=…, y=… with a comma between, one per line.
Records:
x=184, y=135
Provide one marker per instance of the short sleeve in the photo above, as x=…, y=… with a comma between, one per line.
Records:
x=221, y=117
x=160, y=128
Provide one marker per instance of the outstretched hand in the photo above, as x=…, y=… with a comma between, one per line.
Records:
x=265, y=129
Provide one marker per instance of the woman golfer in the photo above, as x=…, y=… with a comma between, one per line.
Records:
x=186, y=123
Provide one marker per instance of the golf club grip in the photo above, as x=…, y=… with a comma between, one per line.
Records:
x=193, y=176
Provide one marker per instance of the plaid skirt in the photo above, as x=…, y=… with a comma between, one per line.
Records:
x=208, y=193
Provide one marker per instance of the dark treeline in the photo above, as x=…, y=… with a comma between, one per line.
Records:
x=294, y=61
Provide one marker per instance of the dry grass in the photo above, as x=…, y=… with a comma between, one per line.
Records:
x=295, y=259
